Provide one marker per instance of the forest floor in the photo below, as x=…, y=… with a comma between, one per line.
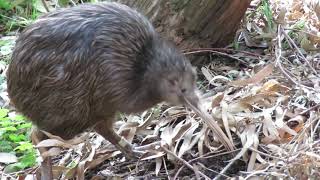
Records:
x=263, y=90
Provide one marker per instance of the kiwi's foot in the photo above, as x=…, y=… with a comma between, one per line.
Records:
x=128, y=150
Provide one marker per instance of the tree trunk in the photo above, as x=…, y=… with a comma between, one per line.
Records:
x=194, y=23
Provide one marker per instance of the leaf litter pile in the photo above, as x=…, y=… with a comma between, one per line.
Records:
x=265, y=95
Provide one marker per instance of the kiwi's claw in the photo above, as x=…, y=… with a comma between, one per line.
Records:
x=132, y=153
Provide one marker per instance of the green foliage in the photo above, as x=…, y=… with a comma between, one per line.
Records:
x=6, y=47
x=14, y=138
x=236, y=45
x=293, y=33
x=28, y=159
x=63, y=2
x=266, y=10
x=300, y=25
x=4, y=4
x=17, y=13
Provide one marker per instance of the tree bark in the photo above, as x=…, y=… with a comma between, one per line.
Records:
x=194, y=23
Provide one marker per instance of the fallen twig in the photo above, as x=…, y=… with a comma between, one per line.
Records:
x=219, y=53
x=184, y=162
x=205, y=156
x=299, y=51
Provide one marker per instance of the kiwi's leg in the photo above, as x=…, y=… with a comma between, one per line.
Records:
x=46, y=164
x=105, y=129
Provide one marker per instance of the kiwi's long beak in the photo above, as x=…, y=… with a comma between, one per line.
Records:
x=193, y=102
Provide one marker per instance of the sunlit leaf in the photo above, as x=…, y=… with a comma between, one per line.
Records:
x=17, y=137
x=3, y=112
x=24, y=146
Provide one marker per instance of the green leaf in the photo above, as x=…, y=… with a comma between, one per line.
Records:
x=300, y=25
x=5, y=122
x=6, y=49
x=18, y=2
x=17, y=138
x=63, y=2
x=72, y=164
x=24, y=126
x=2, y=78
x=24, y=146
x=3, y=42
x=4, y=119
x=4, y=4
x=268, y=13
x=10, y=128
x=5, y=146
x=3, y=112
x=38, y=5
x=13, y=167
x=28, y=159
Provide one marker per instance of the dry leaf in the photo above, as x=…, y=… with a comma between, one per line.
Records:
x=152, y=155
x=307, y=45
x=266, y=71
x=170, y=134
x=188, y=139
x=296, y=15
x=202, y=135
x=216, y=100
x=158, y=165
x=281, y=17
x=30, y=177
x=269, y=128
x=249, y=138
x=57, y=171
x=98, y=160
x=207, y=74
x=224, y=107
x=273, y=87
x=8, y=158
x=81, y=168
x=54, y=151
x=295, y=124
x=283, y=129
x=73, y=141
x=53, y=143
x=251, y=42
